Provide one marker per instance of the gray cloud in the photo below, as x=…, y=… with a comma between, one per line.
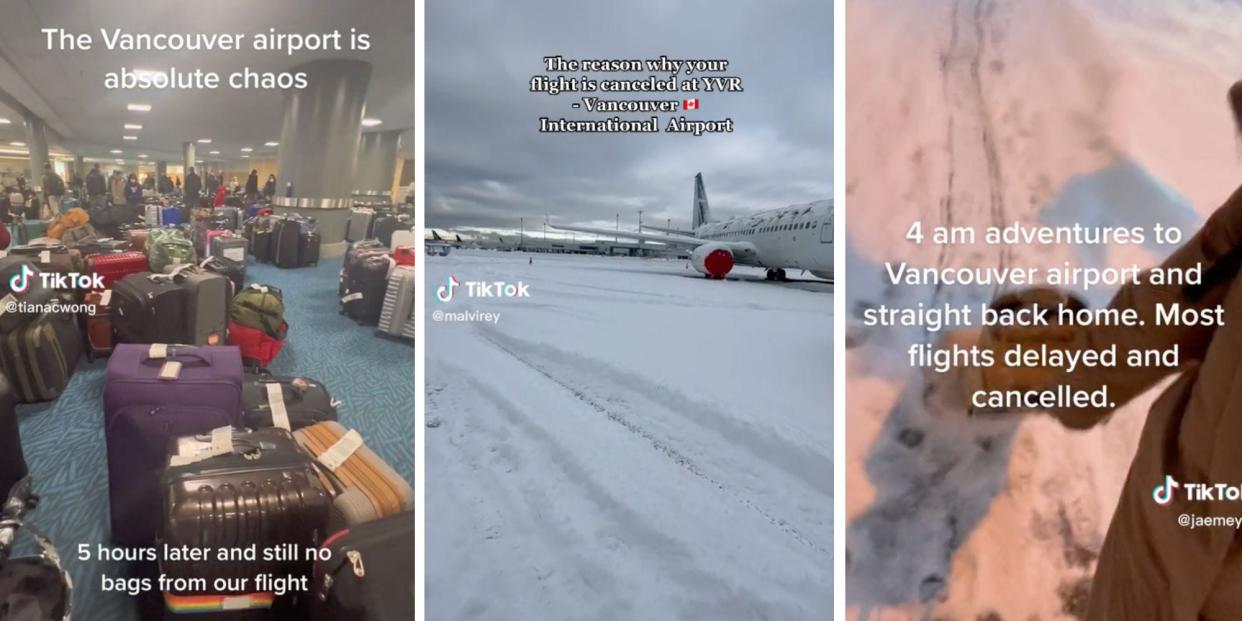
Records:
x=487, y=165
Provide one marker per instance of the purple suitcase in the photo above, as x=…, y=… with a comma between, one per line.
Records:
x=143, y=414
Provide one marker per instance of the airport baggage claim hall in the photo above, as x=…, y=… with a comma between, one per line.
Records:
x=342, y=144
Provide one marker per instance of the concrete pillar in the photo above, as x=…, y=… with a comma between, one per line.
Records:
x=319, y=139
x=377, y=161
x=36, y=142
x=187, y=152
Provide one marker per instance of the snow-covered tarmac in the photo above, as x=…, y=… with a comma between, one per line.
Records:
x=632, y=441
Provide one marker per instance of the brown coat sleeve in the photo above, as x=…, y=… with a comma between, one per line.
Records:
x=1221, y=234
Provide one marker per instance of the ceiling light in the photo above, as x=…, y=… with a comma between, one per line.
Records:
x=271, y=144
x=4, y=121
x=245, y=156
x=132, y=126
x=17, y=144
x=215, y=153
x=129, y=137
x=371, y=122
x=138, y=107
x=204, y=141
x=142, y=155
x=116, y=151
x=246, y=150
x=119, y=161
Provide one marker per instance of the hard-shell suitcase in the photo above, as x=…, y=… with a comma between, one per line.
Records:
x=261, y=246
x=102, y=246
x=285, y=402
x=308, y=250
x=144, y=413
x=385, y=226
x=51, y=258
x=229, y=247
x=144, y=308
x=153, y=214
x=113, y=267
x=99, y=338
x=404, y=238
x=171, y=215
x=230, y=217
x=369, y=575
x=137, y=239
x=367, y=282
x=286, y=242
x=398, y=306
x=29, y=287
x=232, y=489
x=12, y=460
x=235, y=271
x=359, y=226
x=364, y=488
x=207, y=305
x=353, y=255
x=39, y=358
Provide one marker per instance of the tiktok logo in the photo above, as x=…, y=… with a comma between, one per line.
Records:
x=20, y=281
x=1163, y=494
x=445, y=292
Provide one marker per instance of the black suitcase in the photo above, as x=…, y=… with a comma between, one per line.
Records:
x=308, y=251
x=354, y=254
x=306, y=401
x=103, y=246
x=286, y=242
x=367, y=283
x=370, y=574
x=34, y=294
x=261, y=246
x=12, y=460
x=233, y=270
x=39, y=358
x=265, y=493
x=147, y=311
x=385, y=226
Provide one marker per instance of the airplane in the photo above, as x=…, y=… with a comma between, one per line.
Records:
x=797, y=237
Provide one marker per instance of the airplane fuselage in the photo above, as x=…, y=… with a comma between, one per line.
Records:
x=794, y=237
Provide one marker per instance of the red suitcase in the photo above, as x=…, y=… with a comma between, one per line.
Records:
x=99, y=338
x=114, y=267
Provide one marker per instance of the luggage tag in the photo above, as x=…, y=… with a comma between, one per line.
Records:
x=45, y=256
x=170, y=371
x=191, y=450
x=276, y=399
x=342, y=450
x=158, y=351
x=351, y=297
x=105, y=297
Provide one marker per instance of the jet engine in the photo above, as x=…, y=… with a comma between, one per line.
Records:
x=712, y=260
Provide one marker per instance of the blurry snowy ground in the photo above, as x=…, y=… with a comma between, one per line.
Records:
x=984, y=113
x=633, y=441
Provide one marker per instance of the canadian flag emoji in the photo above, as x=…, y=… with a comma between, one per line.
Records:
x=690, y=104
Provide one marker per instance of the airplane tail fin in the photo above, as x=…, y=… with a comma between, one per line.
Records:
x=702, y=214
x=436, y=236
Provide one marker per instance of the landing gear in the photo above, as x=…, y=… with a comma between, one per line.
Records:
x=777, y=275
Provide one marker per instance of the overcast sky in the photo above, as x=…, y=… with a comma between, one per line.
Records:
x=488, y=165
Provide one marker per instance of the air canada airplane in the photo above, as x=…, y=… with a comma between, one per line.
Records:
x=794, y=237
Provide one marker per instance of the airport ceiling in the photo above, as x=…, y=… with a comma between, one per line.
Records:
x=67, y=88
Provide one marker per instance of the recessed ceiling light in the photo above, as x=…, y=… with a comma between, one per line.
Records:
x=245, y=156
x=116, y=151
x=129, y=137
x=371, y=122
x=204, y=141
x=138, y=107
x=142, y=155
x=17, y=144
x=4, y=121
x=246, y=150
x=119, y=161
x=132, y=126
x=215, y=153
x=271, y=144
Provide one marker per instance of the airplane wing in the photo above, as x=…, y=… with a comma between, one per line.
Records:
x=672, y=240
x=673, y=231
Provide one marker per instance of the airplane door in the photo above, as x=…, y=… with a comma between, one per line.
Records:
x=825, y=231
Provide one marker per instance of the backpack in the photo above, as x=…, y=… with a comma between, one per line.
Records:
x=170, y=251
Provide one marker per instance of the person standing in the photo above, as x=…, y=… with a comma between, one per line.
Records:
x=192, y=189
x=269, y=188
x=116, y=186
x=252, y=185
x=96, y=185
x=133, y=191
x=53, y=190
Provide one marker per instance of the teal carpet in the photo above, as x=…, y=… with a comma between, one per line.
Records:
x=372, y=376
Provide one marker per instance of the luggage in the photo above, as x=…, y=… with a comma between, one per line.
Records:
x=99, y=339
x=364, y=488
x=102, y=246
x=228, y=217
x=369, y=575
x=366, y=284
x=137, y=237
x=308, y=249
x=360, y=224
x=354, y=254
x=68, y=202
x=153, y=215
x=157, y=233
x=143, y=414
x=39, y=358
x=79, y=235
x=403, y=255
x=142, y=307
x=51, y=258
x=170, y=252
x=72, y=219
x=12, y=461
x=398, y=309
x=207, y=305
x=31, y=291
x=258, y=348
x=261, y=307
x=258, y=234
x=254, y=209
x=235, y=271
x=385, y=226
x=171, y=215
x=404, y=238
x=227, y=246
x=33, y=588
x=286, y=243
x=233, y=488
x=113, y=267
x=285, y=402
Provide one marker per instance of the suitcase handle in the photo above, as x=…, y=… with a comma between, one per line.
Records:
x=179, y=354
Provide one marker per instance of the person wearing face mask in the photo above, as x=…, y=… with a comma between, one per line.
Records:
x=1151, y=566
x=269, y=188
